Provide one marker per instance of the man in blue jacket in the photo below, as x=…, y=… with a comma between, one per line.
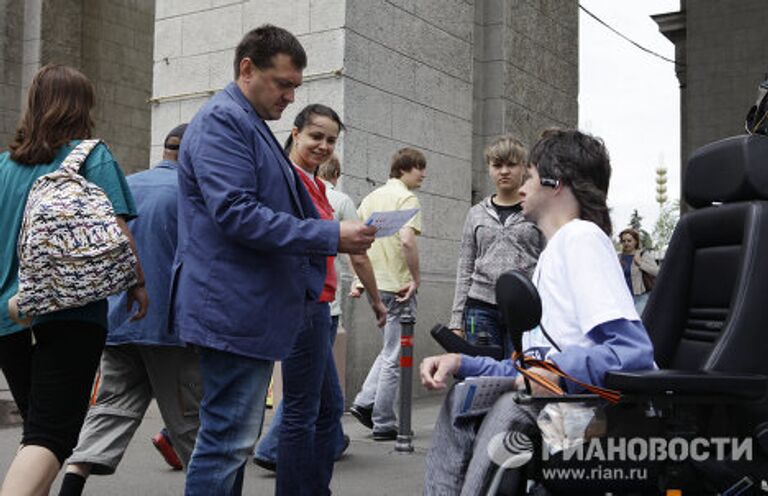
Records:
x=251, y=254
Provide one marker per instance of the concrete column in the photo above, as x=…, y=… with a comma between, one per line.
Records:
x=526, y=73
x=11, y=43
x=408, y=81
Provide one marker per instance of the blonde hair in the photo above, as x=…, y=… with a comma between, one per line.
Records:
x=330, y=169
x=506, y=149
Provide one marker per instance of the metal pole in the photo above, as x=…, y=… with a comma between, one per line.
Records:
x=404, y=433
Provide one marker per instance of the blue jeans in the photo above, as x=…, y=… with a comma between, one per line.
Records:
x=267, y=447
x=381, y=386
x=312, y=408
x=231, y=413
x=640, y=301
x=487, y=320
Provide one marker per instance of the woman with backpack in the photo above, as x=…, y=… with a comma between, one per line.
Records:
x=50, y=359
x=639, y=268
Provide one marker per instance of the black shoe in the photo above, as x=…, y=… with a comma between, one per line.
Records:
x=363, y=415
x=344, y=449
x=390, y=435
x=265, y=464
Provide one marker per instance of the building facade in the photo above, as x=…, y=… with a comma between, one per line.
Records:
x=721, y=50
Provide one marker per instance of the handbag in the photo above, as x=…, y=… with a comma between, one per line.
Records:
x=71, y=249
x=649, y=280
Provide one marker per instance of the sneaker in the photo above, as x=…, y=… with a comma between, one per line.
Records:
x=265, y=464
x=163, y=444
x=363, y=415
x=390, y=435
x=344, y=449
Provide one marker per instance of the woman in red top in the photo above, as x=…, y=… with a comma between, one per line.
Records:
x=307, y=423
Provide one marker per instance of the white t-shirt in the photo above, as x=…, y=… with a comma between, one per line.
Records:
x=581, y=286
x=343, y=209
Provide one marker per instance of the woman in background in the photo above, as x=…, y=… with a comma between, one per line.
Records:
x=634, y=262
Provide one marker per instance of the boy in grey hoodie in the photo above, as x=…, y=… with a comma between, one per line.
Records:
x=496, y=239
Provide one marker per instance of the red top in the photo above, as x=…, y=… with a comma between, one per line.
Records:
x=316, y=190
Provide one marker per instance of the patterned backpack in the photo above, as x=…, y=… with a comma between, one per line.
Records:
x=71, y=248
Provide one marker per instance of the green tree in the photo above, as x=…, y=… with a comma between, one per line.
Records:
x=665, y=225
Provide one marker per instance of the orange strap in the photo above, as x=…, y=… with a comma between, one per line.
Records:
x=609, y=395
x=96, y=384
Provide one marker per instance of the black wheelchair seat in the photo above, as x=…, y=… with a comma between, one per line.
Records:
x=689, y=382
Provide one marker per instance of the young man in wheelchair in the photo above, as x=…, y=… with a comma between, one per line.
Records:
x=589, y=320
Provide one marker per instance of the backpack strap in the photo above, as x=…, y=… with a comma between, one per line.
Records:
x=76, y=157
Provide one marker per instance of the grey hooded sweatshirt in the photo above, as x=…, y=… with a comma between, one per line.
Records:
x=488, y=249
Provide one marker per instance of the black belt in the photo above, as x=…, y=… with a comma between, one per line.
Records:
x=480, y=303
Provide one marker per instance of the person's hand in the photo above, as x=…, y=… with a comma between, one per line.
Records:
x=355, y=237
x=355, y=291
x=435, y=369
x=138, y=294
x=380, y=310
x=13, y=311
x=637, y=258
x=460, y=333
x=405, y=293
x=536, y=388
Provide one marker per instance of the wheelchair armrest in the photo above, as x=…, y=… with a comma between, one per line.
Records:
x=727, y=385
x=455, y=344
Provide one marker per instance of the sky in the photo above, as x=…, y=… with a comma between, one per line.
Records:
x=631, y=99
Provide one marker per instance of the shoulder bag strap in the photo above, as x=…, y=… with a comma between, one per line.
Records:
x=76, y=157
x=609, y=395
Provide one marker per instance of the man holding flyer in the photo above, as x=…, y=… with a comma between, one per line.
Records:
x=395, y=261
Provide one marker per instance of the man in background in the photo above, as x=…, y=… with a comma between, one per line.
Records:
x=395, y=262
x=143, y=359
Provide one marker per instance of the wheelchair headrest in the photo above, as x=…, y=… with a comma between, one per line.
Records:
x=726, y=171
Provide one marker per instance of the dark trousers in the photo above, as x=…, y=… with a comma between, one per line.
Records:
x=51, y=380
x=311, y=409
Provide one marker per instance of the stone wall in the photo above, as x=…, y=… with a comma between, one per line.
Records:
x=726, y=51
x=526, y=73
x=11, y=43
x=110, y=41
x=408, y=82
x=117, y=41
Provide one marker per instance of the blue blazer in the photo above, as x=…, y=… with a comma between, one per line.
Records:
x=251, y=248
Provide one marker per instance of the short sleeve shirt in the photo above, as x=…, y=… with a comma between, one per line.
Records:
x=386, y=254
x=343, y=209
x=16, y=180
x=581, y=285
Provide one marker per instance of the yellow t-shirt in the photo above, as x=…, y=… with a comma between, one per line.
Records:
x=386, y=254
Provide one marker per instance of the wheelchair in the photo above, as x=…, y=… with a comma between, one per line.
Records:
x=707, y=317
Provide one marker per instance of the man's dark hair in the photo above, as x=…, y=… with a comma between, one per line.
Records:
x=178, y=133
x=406, y=159
x=263, y=43
x=581, y=162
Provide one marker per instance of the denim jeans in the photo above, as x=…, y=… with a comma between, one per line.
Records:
x=640, y=301
x=483, y=319
x=383, y=382
x=231, y=413
x=267, y=447
x=312, y=409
